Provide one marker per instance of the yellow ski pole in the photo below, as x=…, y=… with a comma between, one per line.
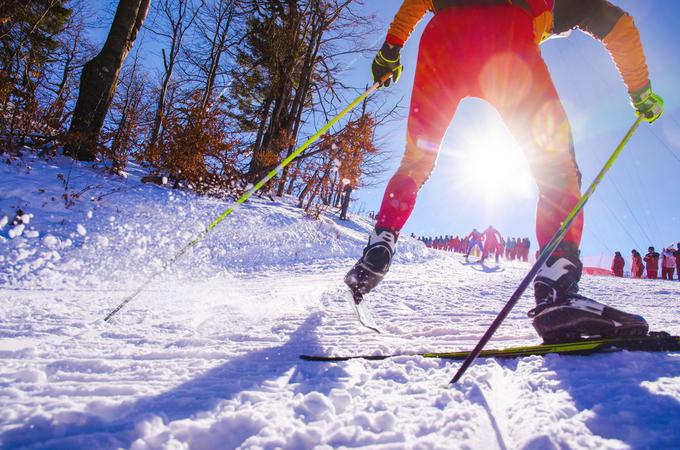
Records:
x=249, y=193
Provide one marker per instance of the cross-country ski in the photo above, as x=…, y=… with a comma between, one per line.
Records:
x=655, y=342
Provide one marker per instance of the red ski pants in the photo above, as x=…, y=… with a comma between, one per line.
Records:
x=667, y=273
x=490, y=53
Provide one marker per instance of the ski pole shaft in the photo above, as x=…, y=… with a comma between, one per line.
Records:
x=249, y=193
x=543, y=257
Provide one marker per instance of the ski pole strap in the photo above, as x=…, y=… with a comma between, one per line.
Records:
x=249, y=193
x=543, y=257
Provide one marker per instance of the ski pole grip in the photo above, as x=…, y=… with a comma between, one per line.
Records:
x=384, y=78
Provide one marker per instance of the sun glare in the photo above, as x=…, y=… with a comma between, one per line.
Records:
x=491, y=164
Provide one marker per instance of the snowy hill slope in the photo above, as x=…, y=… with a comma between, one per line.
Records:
x=207, y=356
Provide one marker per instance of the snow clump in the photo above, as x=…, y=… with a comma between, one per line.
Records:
x=17, y=231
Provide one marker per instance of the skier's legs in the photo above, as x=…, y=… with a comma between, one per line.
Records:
x=435, y=97
x=437, y=90
x=475, y=244
x=471, y=246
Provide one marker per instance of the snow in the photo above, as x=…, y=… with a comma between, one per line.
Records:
x=207, y=355
x=32, y=234
x=16, y=231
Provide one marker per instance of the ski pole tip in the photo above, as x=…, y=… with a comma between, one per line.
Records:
x=458, y=375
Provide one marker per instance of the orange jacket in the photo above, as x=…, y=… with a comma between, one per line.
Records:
x=638, y=268
x=599, y=18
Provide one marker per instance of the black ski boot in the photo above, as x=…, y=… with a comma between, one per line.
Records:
x=562, y=315
x=374, y=264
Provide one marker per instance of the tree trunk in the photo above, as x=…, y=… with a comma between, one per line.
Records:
x=345, y=202
x=301, y=93
x=99, y=78
x=177, y=27
x=160, y=103
x=56, y=109
x=291, y=181
x=257, y=165
x=310, y=183
x=317, y=187
x=217, y=48
x=280, y=117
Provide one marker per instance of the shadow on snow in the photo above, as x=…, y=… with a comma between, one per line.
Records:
x=613, y=388
x=203, y=393
x=480, y=267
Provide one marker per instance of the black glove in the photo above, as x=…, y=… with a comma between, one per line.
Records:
x=387, y=60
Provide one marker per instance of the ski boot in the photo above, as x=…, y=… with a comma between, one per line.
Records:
x=562, y=315
x=373, y=264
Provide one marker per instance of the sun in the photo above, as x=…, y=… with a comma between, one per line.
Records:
x=491, y=164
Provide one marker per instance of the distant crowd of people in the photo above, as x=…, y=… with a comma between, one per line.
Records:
x=488, y=242
x=648, y=266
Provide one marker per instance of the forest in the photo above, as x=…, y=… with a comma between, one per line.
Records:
x=207, y=95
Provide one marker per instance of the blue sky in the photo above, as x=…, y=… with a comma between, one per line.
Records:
x=638, y=203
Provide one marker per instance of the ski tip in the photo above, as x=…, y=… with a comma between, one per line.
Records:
x=363, y=314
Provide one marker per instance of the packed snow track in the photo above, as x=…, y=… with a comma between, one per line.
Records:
x=208, y=355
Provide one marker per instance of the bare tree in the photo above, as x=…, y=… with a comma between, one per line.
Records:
x=60, y=84
x=216, y=31
x=125, y=128
x=178, y=16
x=286, y=73
x=99, y=78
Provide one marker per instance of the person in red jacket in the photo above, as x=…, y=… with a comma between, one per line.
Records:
x=492, y=239
x=455, y=244
x=652, y=264
x=490, y=49
x=636, y=267
x=617, y=264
